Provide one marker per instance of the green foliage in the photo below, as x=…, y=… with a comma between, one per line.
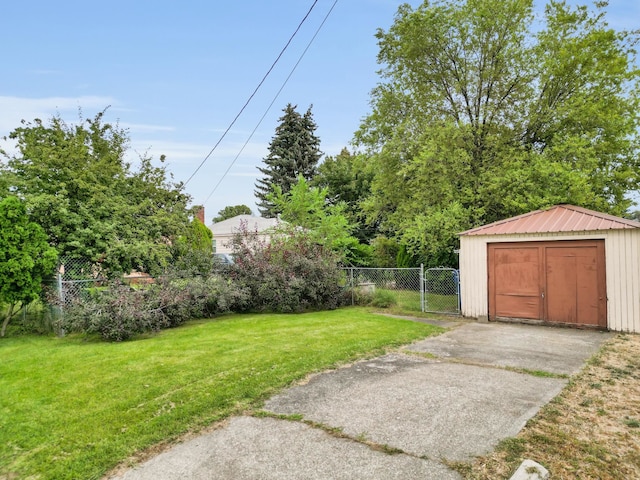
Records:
x=90, y=202
x=384, y=252
x=483, y=113
x=120, y=312
x=294, y=151
x=306, y=207
x=348, y=181
x=403, y=259
x=25, y=258
x=192, y=252
x=290, y=273
x=633, y=215
x=232, y=211
x=432, y=236
x=383, y=299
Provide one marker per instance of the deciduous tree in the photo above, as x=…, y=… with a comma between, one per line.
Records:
x=306, y=207
x=232, y=211
x=25, y=258
x=193, y=250
x=347, y=179
x=484, y=112
x=91, y=203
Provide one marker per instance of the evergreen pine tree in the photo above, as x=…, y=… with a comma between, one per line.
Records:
x=294, y=150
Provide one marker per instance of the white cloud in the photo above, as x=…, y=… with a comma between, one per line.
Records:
x=173, y=150
x=142, y=127
x=194, y=153
x=16, y=109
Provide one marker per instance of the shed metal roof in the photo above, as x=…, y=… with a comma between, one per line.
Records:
x=560, y=218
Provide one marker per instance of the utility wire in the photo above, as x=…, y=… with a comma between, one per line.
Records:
x=272, y=102
x=252, y=95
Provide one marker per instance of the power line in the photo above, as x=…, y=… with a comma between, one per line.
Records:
x=272, y=102
x=252, y=95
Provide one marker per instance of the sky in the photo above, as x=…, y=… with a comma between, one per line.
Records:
x=176, y=74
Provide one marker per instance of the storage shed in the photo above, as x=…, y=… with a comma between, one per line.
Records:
x=565, y=265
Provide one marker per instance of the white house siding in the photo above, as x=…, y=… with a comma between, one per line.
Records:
x=223, y=243
x=622, y=257
x=224, y=231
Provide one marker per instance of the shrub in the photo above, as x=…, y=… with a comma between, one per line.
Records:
x=292, y=273
x=119, y=312
x=209, y=296
x=361, y=297
x=383, y=299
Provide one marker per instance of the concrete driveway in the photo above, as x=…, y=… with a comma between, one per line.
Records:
x=446, y=398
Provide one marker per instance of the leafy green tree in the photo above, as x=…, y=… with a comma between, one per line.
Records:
x=348, y=180
x=25, y=259
x=384, y=252
x=633, y=215
x=403, y=259
x=193, y=250
x=231, y=211
x=90, y=202
x=483, y=112
x=306, y=207
x=294, y=150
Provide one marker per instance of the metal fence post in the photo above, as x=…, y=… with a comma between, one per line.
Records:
x=57, y=310
x=60, y=291
x=422, y=293
x=353, y=299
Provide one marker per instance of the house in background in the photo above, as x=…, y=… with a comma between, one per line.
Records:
x=223, y=231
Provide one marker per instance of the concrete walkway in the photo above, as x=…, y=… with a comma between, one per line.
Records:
x=443, y=399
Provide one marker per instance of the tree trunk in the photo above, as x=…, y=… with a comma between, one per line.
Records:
x=6, y=320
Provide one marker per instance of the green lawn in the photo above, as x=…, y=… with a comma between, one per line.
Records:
x=410, y=300
x=73, y=408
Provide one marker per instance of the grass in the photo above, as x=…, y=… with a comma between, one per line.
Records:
x=75, y=407
x=591, y=430
x=409, y=300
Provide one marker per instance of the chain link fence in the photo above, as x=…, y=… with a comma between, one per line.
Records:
x=435, y=290
x=74, y=278
x=442, y=290
x=398, y=286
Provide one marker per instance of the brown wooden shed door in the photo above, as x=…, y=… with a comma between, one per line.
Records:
x=558, y=282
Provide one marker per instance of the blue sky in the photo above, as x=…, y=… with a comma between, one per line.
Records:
x=177, y=73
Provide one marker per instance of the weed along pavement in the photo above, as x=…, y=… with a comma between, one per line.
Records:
x=409, y=414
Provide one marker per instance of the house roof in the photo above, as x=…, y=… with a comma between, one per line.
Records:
x=231, y=225
x=560, y=218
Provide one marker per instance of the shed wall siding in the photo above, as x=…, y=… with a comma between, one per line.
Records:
x=473, y=276
x=623, y=280
x=622, y=254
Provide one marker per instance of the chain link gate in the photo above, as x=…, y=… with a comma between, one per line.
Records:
x=442, y=290
x=435, y=290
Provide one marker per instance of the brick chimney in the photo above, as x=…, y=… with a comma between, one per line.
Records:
x=200, y=213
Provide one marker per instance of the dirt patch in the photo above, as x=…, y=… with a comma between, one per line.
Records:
x=590, y=430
